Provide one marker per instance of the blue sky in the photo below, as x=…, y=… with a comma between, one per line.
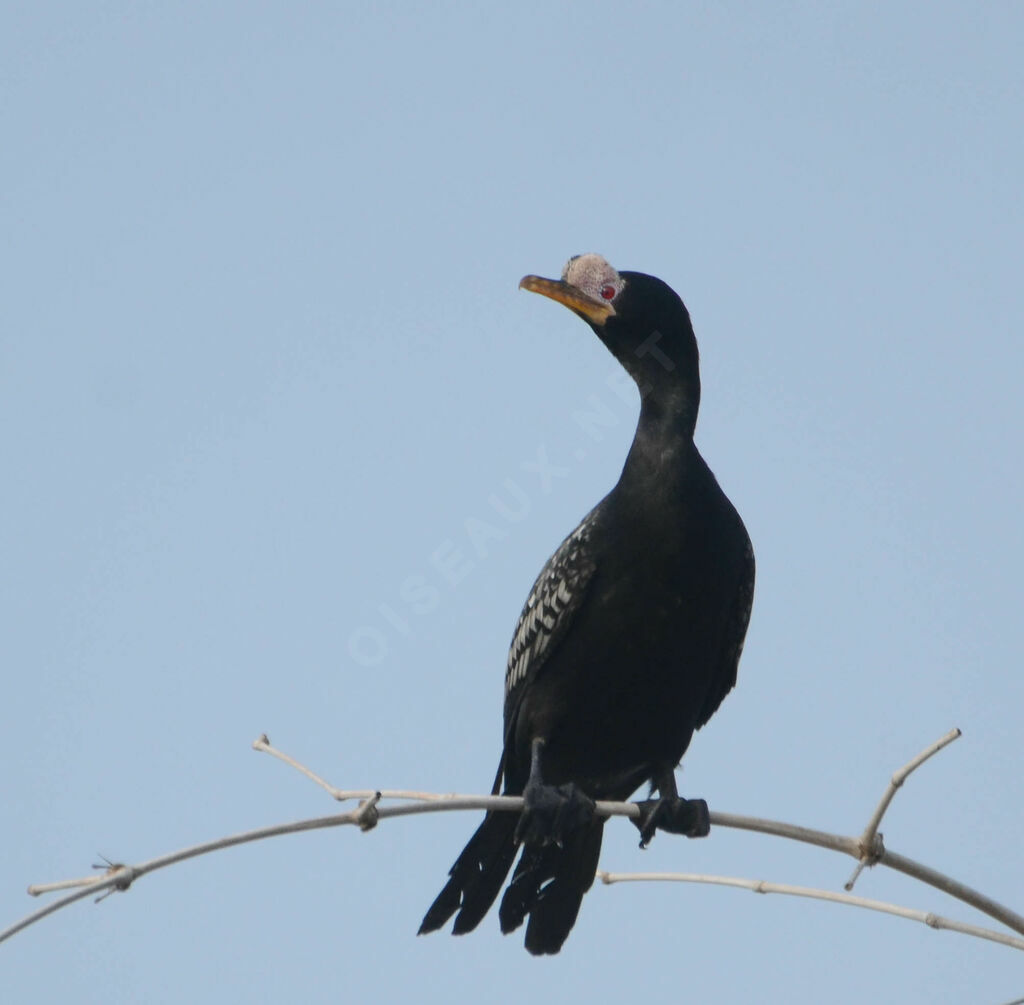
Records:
x=263, y=359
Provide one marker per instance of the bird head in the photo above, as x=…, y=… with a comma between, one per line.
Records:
x=639, y=318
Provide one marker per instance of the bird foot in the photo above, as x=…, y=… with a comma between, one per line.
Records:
x=552, y=811
x=689, y=817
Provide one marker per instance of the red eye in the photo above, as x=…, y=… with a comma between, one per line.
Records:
x=608, y=291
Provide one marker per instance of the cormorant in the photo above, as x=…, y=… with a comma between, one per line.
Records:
x=629, y=640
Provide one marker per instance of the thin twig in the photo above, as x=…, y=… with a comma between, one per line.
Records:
x=264, y=745
x=763, y=886
x=871, y=847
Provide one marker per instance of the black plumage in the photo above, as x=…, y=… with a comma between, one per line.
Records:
x=628, y=642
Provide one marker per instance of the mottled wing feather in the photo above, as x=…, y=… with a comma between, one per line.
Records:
x=554, y=599
x=736, y=632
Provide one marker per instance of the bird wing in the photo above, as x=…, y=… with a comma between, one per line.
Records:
x=735, y=632
x=549, y=610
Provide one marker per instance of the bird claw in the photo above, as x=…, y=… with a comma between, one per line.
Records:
x=552, y=811
x=689, y=817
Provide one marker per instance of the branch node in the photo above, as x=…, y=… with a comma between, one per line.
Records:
x=366, y=816
x=124, y=875
x=870, y=855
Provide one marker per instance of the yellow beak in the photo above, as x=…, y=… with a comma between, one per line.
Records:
x=594, y=311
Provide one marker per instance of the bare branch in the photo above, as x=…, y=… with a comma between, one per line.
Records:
x=35, y=916
x=868, y=848
x=871, y=847
x=954, y=888
x=806, y=835
x=851, y=846
x=121, y=877
x=604, y=808
x=369, y=812
x=763, y=886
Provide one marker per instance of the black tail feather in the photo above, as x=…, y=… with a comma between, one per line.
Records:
x=549, y=884
x=536, y=866
x=476, y=876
